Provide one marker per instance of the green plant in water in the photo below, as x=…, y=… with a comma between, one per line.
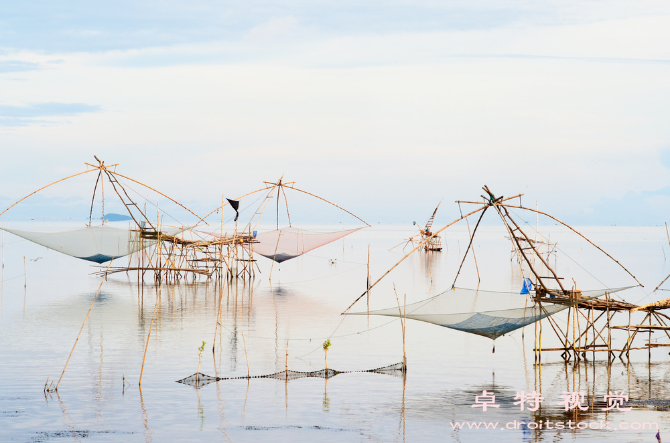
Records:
x=326, y=345
x=201, y=348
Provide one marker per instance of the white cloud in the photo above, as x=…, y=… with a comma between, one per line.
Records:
x=519, y=107
x=278, y=27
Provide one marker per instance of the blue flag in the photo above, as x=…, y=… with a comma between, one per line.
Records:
x=527, y=286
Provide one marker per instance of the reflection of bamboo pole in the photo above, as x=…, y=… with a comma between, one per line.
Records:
x=403, y=316
x=218, y=317
x=274, y=256
x=367, y=283
x=158, y=298
x=82, y=327
x=247, y=355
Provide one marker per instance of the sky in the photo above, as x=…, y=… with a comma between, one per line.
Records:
x=384, y=108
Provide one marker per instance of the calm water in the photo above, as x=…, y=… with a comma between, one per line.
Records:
x=302, y=304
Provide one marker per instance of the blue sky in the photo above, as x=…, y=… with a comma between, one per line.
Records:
x=382, y=107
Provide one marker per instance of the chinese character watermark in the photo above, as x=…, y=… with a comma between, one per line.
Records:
x=572, y=400
x=614, y=401
x=486, y=400
x=533, y=400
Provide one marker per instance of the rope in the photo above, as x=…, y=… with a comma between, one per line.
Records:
x=646, y=295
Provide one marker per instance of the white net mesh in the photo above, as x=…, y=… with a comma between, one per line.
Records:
x=98, y=244
x=287, y=243
x=487, y=313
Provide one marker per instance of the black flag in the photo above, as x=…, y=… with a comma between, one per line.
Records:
x=235, y=204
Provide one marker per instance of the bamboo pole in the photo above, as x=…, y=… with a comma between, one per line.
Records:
x=472, y=237
x=218, y=317
x=410, y=253
x=536, y=252
x=44, y=187
x=109, y=176
x=403, y=315
x=339, y=207
x=238, y=198
x=146, y=347
x=474, y=255
x=518, y=245
x=578, y=233
x=82, y=328
x=157, y=191
x=102, y=188
x=90, y=215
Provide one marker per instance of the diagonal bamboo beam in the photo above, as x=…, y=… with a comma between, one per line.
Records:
x=519, y=248
x=518, y=228
x=90, y=215
x=157, y=191
x=44, y=187
x=286, y=201
x=238, y=198
x=411, y=252
x=576, y=232
x=472, y=237
x=661, y=283
x=339, y=207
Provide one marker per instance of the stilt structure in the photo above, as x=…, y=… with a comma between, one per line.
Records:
x=589, y=323
x=425, y=236
x=223, y=255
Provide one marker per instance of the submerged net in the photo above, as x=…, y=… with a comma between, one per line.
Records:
x=198, y=379
x=287, y=243
x=486, y=313
x=98, y=244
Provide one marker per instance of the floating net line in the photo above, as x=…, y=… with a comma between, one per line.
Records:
x=486, y=313
x=98, y=244
x=199, y=379
x=287, y=243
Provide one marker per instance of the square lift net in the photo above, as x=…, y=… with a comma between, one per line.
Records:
x=486, y=313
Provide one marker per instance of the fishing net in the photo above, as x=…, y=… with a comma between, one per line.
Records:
x=198, y=379
x=98, y=244
x=486, y=313
x=287, y=243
